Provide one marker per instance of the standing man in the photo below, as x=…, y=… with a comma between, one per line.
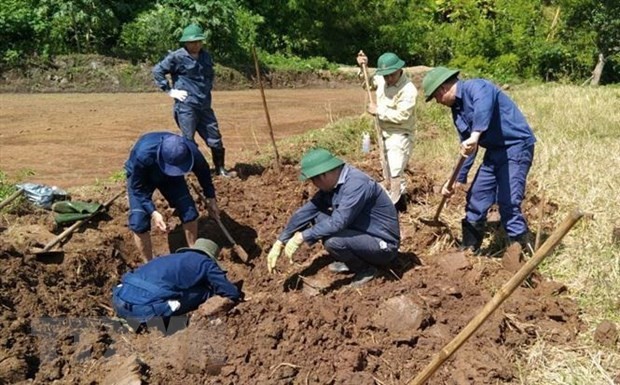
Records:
x=191, y=71
x=176, y=284
x=394, y=109
x=159, y=160
x=485, y=116
x=351, y=213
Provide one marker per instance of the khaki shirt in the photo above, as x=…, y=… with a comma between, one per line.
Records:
x=395, y=105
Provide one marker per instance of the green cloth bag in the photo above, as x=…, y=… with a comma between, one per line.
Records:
x=72, y=211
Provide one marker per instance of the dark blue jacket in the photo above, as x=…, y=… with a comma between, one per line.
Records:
x=357, y=202
x=189, y=74
x=144, y=174
x=481, y=106
x=188, y=277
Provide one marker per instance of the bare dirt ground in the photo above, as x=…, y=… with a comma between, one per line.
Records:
x=301, y=325
x=73, y=139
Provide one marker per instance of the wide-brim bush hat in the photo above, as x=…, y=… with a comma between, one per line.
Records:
x=435, y=78
x=318, y=161
x=192, y=32
x=389, y=63
x=206, y=247
x=174, y=156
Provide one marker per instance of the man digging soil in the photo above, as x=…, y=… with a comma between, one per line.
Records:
x=176, y=284
x=351, y=213
x=160, y=160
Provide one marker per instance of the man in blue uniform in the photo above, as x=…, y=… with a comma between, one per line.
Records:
x=485, y=116
x=191, y=71
x=351, y=213
x=176, y=284
x=159, y=160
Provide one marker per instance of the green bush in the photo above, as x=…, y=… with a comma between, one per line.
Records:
x=283, y=62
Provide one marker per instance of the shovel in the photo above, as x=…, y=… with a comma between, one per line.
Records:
x=435, y=221
x=236, y=247
x=47, y=249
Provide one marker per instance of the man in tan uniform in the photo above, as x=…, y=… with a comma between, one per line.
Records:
x=396, y=96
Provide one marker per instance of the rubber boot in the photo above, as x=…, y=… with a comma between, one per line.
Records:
x=218, y=161
x=525, y=240
x=472, y=236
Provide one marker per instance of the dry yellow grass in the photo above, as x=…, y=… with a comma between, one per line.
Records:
x=577, y=163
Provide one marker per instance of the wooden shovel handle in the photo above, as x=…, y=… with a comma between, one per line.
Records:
x=384, y=162
x=453, y=176
x=225, y=231
x=12, y=197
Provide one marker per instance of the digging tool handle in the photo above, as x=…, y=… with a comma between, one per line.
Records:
x=12, y=197
x=455, y=173
x=226, y=233
x=384, y=162
x=508, y=288
x=79, y=223
x=238, y=249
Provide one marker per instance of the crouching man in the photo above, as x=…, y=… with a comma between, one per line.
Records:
x=351, y=213
x=176, y=284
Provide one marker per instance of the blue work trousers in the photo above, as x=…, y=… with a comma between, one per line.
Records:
x=358, y=249
x=502, y=176
x=178, y=196
x=192, y=119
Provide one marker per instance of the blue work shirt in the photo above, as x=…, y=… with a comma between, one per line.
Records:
x=192, y=75
x=188, y=277
x=357, y=202
x=144, y=174
x=481, y=106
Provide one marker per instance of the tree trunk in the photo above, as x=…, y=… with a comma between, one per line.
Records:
x=598, y=70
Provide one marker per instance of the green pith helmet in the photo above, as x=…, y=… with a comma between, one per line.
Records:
x=316, y=162
x=192, y=32
x=435, y=78
x=206, y=247
x=389, y=63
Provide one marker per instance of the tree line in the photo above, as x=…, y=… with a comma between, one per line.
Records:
x=551, y=40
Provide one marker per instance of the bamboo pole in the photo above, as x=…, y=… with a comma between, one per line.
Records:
x=384, y=163
x=262, y=93
x=498, y=298
x=12, y=197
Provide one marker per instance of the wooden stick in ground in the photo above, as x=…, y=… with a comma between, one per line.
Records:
x=498, y=299
x=384, y=163
x=262, y=93
x=12, y=197
x=240, y=251
x=77, y=224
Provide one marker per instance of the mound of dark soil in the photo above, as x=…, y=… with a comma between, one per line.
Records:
x=301, y=325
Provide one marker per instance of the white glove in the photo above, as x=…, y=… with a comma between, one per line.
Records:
x=179, y=95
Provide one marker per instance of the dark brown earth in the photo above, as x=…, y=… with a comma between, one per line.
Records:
x=301, y=325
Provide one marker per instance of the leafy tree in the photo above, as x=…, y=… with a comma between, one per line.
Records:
x=81, y=26
x=17, y=22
